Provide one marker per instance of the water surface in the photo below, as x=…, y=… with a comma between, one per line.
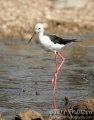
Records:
x=27, y=68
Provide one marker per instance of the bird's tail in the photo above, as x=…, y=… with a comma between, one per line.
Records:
x=73, y=40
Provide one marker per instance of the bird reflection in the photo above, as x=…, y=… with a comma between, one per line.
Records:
x=54, y=106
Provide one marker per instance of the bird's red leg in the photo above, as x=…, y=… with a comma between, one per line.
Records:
x=57, y=70
x=63, y=60
x=55, y=76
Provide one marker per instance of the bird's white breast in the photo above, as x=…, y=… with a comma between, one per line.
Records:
x=48, y=45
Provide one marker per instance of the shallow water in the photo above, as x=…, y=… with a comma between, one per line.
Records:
x=26, y=68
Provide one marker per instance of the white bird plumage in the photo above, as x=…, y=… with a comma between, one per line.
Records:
x=45, y=40
x=52, y=43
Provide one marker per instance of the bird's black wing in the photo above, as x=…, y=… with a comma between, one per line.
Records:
x=55, y=39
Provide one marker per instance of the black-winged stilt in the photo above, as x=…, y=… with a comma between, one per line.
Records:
x=52, y=43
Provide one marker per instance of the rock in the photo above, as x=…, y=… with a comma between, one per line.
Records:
x=82, y=110
x=37, y=93
x=29, y=115
x=45, y=25
x=44, y=109
x=85, y=105
x=1, y=117
x=70, y=4
x=66, y=100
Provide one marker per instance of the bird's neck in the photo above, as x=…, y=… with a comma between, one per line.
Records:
x=40, y=34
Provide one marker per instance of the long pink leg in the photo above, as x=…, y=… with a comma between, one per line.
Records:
x=53, y=82
x=63, y=60
x=55, y=76
x=57, y=70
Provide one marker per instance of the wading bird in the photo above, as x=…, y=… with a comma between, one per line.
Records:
x=52, y=43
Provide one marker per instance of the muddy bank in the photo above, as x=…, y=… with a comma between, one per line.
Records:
x=86, y=108
x=19, y=17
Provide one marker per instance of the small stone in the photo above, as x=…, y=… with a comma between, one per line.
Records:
x=44, y=109
x=36, y=83
x=37, y=93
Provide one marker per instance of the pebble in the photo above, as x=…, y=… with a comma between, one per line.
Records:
x=37, y=93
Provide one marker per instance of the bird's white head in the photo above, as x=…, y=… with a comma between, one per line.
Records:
x=39, y=28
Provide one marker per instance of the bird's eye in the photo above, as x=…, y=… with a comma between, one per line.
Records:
x=39, y=28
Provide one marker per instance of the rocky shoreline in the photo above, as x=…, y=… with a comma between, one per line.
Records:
x=19, y=17
x=81, y=109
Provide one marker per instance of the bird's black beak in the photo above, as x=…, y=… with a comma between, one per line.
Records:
x=32, y=37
